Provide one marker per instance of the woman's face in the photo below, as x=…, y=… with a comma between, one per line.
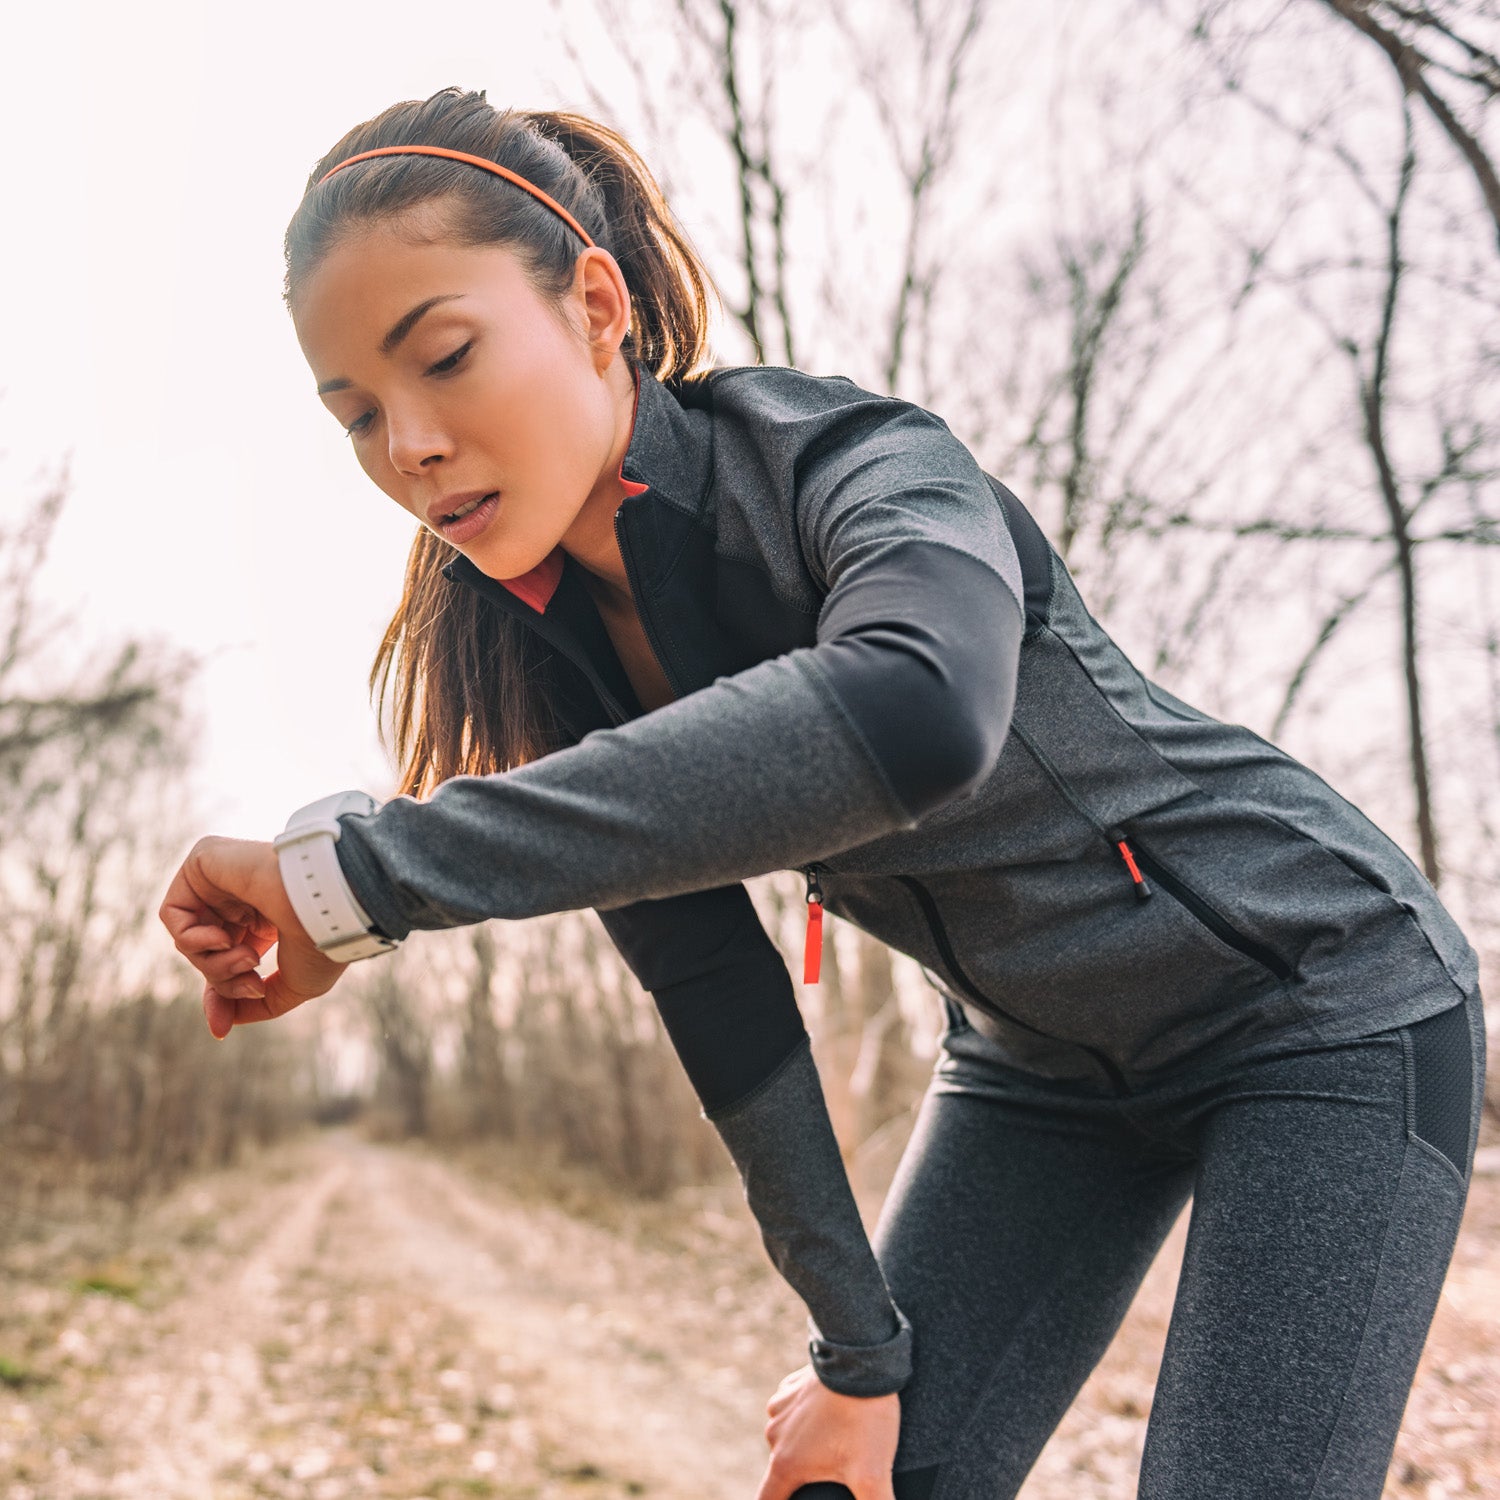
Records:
x=456, y=383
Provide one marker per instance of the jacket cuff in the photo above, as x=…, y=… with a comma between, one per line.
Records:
x=368, y=890
x=863, y=1369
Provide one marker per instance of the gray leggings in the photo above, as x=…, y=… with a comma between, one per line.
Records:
x=1327, y=1186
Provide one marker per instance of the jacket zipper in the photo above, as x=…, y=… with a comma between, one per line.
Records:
x=640, y=601
x=940, y=937
x=1256, y=952
x=1135, y=858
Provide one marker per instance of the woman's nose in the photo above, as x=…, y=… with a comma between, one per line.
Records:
x=415, y=445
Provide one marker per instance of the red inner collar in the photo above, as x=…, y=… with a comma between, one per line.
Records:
x=537, y=587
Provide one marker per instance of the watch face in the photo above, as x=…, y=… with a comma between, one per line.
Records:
x=332, y=806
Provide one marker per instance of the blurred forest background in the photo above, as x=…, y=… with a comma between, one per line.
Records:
x=1240, y=357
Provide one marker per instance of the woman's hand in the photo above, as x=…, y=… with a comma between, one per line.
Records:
x=225, y=907
x=816, y=1433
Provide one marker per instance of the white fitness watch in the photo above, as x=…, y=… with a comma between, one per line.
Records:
x=316, y=885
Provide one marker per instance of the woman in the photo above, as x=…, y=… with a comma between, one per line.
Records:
x=664, y=630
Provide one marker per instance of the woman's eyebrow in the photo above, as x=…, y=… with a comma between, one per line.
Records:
x=406, y=324
x=391, y=341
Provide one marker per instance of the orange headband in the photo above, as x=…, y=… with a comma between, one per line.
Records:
x=476, y=161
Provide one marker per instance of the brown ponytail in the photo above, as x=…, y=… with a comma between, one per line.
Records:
x=469, y=682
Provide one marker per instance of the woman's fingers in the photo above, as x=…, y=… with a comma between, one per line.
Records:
x=774, y=1484
x=219, y=964
x=218, y=1011
x=781, y=1481
x=224, y=1012
x=818, y=1434
x=200, y=936
x=206, y=920
x=233, y=969
x=786, y=1392
x=242, y=1002
x=225, y=907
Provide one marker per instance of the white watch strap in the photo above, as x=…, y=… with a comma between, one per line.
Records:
x=315, y=882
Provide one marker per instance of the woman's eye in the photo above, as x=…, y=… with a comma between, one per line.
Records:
x=443, y=366
x=360, y=425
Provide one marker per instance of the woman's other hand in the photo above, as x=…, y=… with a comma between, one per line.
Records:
x=817, y=1433
x=225, y=907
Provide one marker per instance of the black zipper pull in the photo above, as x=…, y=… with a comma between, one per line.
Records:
x=1142, y=889
x=812, y=950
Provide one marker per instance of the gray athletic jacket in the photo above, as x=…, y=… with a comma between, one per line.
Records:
x=886, y=679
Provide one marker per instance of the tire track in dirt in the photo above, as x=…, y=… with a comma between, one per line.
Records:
x=344, y=1318
x=171, y=1425
x=614, y=1379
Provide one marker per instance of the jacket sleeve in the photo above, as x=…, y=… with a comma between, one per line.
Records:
x=902, y=704
x=727, y=1002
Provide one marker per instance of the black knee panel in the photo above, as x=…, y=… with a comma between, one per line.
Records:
x=1443, y=1082
x=915, y=1484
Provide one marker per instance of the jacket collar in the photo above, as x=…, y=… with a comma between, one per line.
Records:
x=668, y=456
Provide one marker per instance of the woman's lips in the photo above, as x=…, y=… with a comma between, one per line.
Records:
x=466, y=528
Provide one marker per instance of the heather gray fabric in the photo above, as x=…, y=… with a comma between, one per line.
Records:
x=620, y=815
x=782, y=513
x=1025, y=1213
x=815, y=1238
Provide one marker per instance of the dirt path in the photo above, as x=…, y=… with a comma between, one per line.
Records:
x=371, y=1321
x=341, y=1318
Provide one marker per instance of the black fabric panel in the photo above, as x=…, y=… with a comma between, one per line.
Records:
x=916, y=1484
x=1033, y=550
x=720, y=984
x=1442, y=1062
x=570, y=625
x=757, y=621
x=924, y=652
x=575, y=704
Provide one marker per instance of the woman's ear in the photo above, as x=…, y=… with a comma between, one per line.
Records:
x=600, y=286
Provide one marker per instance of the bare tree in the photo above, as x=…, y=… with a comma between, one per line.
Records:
x=1417, y=274
x=1410, y=36
x=108, y=1080
x=400, y=1025
x=82, y=767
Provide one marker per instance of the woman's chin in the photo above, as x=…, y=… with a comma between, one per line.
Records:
x=506, y=562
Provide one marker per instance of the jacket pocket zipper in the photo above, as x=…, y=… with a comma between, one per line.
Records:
x=812, y=942
x=1136, y=855
x=940, y=937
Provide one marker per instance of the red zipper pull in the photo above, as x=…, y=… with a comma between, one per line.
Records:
x=812, y=951
x=1142, y=890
